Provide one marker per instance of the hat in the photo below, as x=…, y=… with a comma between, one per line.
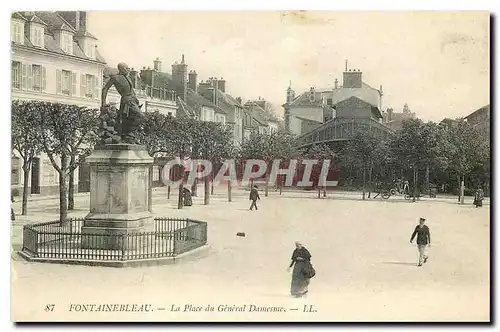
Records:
x=255, y=186
x=422, y=219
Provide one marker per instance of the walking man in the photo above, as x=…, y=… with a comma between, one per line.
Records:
x=423, y=239
x=254, y=196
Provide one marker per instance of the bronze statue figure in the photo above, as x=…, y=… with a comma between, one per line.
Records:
x=130, y=116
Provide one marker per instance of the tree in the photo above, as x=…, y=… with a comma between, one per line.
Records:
x=63, y=135
x=26, y=125
x=253, y=148
x=154, y=136
x=212, y=142
x=81, y=145
x=181, y=132
x=466, y=150
x=321, y=153
x=360, y=152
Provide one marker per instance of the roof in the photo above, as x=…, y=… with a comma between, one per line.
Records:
x=374, y=108
x=54, y=22
x=366, y=93
x=481, y=110
x=308, y=120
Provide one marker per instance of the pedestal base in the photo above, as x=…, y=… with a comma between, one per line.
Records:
x=119, y=198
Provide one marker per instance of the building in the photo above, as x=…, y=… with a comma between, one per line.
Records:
x=448, y=123
x=214, y=89
x=354, y=99
x=480, y=120
x=262, y=117
x=395, y=119
x=55, y=58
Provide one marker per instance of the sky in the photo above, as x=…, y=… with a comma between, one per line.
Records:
x=437, y=62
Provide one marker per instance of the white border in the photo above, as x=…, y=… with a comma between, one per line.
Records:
x=8, y=6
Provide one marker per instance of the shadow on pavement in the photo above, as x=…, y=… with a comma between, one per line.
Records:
x=400, y=263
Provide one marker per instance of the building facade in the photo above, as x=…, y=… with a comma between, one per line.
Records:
x=55, y=59
x=480, y=120
x=395, y=119
x=354, y=99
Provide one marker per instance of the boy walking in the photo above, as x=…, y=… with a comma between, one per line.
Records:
x=254, y=196
x=423, y=239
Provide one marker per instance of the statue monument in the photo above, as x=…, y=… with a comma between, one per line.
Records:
x=120, y=172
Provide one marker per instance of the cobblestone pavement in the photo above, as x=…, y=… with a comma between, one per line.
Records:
x=366, y=268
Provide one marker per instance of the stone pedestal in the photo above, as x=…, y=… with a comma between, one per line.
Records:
x=120, y=196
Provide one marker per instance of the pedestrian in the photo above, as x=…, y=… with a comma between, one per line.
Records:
x=254, y=196
x=478, y=197
x=423, y=240
x=301, y=275
x=12, y=214
x=406, y=187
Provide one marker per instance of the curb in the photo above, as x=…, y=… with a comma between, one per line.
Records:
x=192, y=255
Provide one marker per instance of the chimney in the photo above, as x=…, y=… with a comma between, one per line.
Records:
x=222, y=84
x=336, y=83
x=193, y=80
x=157, y=64
x=238, y=99
x=312, y=94
x=180, y=78
x=389, y=114
x=77, y=21
x=352, y=79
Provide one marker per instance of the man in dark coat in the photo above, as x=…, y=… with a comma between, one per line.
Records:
x=254, y=196
x=423, y=239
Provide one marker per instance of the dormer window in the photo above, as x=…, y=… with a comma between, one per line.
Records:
x=37, y=36
x=18, y=32
x=67, y=43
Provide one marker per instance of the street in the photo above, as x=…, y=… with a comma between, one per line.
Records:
x=366, y=267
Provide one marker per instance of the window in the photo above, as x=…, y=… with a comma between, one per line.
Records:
x=67, y=43
x=15, y=171
x=17, y=32
x=37, y=77
x=16, y=75
x=329, y=101
x=91, y=50
x=66, y=82
x=37, y=36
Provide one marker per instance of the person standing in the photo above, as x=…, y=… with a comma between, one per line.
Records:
x=301, y=262
x=478, y=197
x=254, y=196
x=423, y=240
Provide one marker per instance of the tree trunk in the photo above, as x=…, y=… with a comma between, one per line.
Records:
x=26, y=170
x=71, y=190
x=229, y=197
x=63, y=191
x=370, y=182
x=281, y=186
x=212, y=182
x=180, y=200
x=459, y=189
x=324, y=191
x=364, y=182
x=319, y=191
x=427, y=180
x=194, y=188
x=168, y=192
x=415, y=182
x=462, y=190
x=267, y=186
x=150, y=188
x=207, y=190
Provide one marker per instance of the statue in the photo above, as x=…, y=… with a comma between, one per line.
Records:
x=109, y=124
x=129, y=115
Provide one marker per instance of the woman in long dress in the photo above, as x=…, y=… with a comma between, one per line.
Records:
x=300, y=261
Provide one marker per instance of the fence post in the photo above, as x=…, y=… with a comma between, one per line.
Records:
x=36, y=242
x=123, y=237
